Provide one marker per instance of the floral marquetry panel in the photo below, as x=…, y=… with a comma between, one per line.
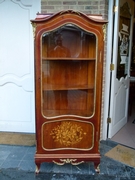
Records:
x=67, y=134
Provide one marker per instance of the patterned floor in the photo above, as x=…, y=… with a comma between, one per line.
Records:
x=17, y=163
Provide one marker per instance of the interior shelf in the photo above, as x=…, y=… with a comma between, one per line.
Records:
x=73, y=112
x=47, y=87
x=68, y=59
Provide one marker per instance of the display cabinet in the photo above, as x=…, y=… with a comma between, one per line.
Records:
x=69, y=48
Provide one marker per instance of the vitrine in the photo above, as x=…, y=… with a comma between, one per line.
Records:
x=69, y=48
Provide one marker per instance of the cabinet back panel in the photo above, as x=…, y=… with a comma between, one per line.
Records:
x=63, y=74
x=68, y=102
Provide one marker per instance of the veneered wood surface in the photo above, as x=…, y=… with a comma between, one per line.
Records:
x=68, y=88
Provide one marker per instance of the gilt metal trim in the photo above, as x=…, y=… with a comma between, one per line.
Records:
x=70, y=11
x=67, y=133
x=37, y=170
x=98, y=169
x=58, y=135
x=34, y=29
x=104, y=27
x=68, y=161
x=115, y=9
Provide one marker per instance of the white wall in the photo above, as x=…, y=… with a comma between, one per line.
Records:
x=17, y=111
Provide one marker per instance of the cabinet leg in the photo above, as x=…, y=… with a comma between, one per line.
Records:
x=97, y=168
x=37, y=168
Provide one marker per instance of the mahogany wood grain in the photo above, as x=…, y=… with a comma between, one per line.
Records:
x=69, y=51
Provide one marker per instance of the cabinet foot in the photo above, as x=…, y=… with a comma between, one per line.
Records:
x=37, y=168
x=97, y=168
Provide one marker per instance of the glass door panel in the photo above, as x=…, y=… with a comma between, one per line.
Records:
x=68, y=72
x=124, y=41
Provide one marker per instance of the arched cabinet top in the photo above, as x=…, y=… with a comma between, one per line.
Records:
x=88, y=22
x=48, y=16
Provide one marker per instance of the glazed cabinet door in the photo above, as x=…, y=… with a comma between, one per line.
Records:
x=68, y=67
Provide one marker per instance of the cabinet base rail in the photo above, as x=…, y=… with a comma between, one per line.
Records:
x=62, y=159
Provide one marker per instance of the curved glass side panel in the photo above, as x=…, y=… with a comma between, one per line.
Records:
x=68, y=72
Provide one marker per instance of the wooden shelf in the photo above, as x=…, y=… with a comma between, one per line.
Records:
x=68, y=59
x=51, y=113
x=47, y=87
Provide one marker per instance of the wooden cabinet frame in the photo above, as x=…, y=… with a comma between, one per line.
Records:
x=69, y=48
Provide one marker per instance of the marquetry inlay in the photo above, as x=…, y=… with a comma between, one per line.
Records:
x=68, y=133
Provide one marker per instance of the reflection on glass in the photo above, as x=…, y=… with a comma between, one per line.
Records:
x=123, y=52
x=68, y=72
x=124, y=38
x=59, y=50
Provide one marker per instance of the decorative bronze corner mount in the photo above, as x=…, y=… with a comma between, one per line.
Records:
x=34, y=29
x=104, y=30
